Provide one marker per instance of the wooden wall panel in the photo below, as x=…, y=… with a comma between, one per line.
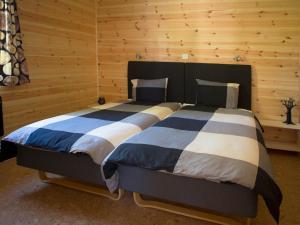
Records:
x=265, y=33
x=59, y=42
x=60, y=46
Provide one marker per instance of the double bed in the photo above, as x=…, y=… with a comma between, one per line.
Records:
x=173, y=193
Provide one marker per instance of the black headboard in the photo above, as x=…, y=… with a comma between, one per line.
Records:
x=219, y=72
x=154, y=70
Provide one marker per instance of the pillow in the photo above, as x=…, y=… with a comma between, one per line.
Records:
x=225, y=95
x=149, y=90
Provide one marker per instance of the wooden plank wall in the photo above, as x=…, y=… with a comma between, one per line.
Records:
x=59, y=42
x=60, y=46
x=265, y=33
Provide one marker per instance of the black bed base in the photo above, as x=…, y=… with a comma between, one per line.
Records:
x=76, y=166
x=229, y=199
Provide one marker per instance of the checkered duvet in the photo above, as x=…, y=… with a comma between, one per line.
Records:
x=95, y=131
x=217, y=144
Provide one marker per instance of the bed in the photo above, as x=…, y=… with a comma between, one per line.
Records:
x=156, y=189
x=81, y=170
x=181, y=194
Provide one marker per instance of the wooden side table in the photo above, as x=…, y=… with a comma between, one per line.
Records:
x=280, y=145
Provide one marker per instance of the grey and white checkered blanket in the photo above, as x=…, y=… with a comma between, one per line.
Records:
x=217, y=144
x=95, y=131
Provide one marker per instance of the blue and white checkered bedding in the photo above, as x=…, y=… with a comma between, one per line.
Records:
x=217, y=144
x=95, y=131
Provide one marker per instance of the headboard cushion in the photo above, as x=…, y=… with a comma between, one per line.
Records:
x=221, y=73
x=155, y=70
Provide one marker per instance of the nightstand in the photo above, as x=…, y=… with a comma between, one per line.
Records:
x=292, y=142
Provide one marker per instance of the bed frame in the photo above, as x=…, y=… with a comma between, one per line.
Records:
x=88, y=179
x=176, y=194
x=195, y=198
x=183, y=195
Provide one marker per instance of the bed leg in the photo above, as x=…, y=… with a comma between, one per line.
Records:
x=43, y=176
x=192, y=213
x=81, y=186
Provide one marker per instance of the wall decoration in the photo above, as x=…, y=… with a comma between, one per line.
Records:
x=289, y=104
x=13, y=66
x=101, y=100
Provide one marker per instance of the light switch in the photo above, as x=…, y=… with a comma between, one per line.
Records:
x=184, y=56
x=138, y=56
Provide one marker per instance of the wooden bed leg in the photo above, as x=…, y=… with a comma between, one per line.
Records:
x=43, y=176
x=81, y=186
x=192, y=213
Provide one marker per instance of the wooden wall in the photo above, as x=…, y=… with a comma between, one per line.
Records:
x=59, y=42
x=60, y=46
x=265, y=33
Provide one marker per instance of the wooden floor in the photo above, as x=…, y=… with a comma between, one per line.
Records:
x=25, y=200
